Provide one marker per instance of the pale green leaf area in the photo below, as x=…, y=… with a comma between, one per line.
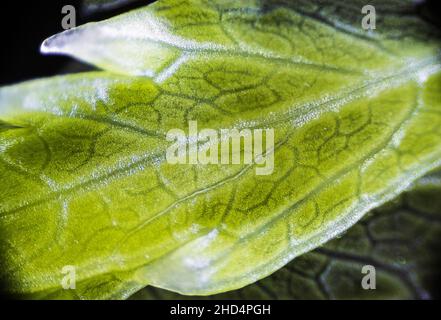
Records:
x=401, y=240
x=85, y=182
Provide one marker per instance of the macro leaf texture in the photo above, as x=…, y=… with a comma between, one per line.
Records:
x=387, y=238
x=85, y=181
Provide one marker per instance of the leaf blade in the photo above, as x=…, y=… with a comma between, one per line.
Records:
x=99, y=141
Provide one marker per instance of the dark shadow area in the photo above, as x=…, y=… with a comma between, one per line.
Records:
x=430, y=10
x=434, y=282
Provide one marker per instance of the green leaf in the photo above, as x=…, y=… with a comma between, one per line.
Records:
x=85, y=182
x=158, y=40
x=401, y=240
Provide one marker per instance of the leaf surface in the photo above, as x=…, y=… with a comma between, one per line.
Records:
x=85, y=182
x=400, y=239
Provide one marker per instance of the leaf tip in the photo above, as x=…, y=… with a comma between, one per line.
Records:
x=48, y=46
x=58, y=43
